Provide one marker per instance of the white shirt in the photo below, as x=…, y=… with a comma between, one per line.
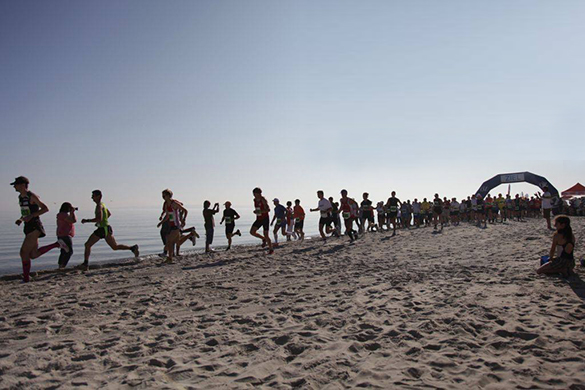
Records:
x=324, y=205
x=546, y=201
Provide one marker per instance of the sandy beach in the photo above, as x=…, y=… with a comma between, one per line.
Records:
x=461, y=309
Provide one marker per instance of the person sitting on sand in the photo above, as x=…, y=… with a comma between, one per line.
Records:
x=563, y=240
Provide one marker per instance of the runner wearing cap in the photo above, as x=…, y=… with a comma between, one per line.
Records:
x=280, y=218
x=229, y=217
x=31, y=208
x=104, y=230
x=299, y=216
x=262, y=210
x=326, y=219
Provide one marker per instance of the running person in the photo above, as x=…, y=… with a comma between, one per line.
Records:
x=66, y=231
x=367, y=212
x=280, y=217
x=381, y=216
x=290, y=222
x=437, y=211
x=262, y=210
x=299, y=216
x=325, y=209
x=173, y=217
x=347, y=215
x=229, y=217
x=392, y=209
x=31, y=208
x=103, y=231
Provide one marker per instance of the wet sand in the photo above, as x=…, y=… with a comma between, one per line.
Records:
x=460, y=309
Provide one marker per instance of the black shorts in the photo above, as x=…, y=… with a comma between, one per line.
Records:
x=300, y=224
x=229, y=228
x=33, y=225
x=103, y=232
x=368, y=215
x=262, y=223
x=326, y=221
x=392, y=215
x=438, y=210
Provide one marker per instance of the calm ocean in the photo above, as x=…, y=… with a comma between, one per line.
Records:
x=131, y=226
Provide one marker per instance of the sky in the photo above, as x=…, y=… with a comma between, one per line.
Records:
x=214, y=98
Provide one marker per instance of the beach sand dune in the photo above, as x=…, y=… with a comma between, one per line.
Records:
x=459, y=309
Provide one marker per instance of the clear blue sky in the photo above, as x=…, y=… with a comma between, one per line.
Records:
x=213, y=98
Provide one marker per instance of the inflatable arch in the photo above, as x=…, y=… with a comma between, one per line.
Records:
x=506, y=178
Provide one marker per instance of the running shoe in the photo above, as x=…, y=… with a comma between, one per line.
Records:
x=134, y=250
x=63, y=246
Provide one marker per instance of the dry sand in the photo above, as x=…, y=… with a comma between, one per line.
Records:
x=461, y=309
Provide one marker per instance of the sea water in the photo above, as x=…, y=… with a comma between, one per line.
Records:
x=131, y=226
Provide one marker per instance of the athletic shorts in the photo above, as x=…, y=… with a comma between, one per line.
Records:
x=546, y=213
x=368, y=215
x=325, y=221
x=229, y=228
x=33, y=225
x=103, y=232
x=300, y=224
x=437, y=210
x=172, y=228
x=392, y=215
x=262, y=223
x=381, y=217
x=280, y=223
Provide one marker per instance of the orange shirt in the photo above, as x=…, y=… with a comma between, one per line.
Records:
x=299, y=212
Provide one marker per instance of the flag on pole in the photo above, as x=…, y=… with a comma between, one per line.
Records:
x=509, y=188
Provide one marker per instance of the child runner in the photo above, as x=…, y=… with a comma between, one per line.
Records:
x=381, y=216
x=290, y=222
x=66, y=231
x=229, y=217
x=280, y=217
x=103, y=231
x=31, y=208
x=299, y=216
x=209, y=224
x=262, y=210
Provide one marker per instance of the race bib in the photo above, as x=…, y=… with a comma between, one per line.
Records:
x=346, y=215
x=297, y=220
x=24, y=211
x=229, y=220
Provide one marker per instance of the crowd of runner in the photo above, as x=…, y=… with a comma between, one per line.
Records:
x=358, y=216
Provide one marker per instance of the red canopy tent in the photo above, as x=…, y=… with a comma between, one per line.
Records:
x=576, y=190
